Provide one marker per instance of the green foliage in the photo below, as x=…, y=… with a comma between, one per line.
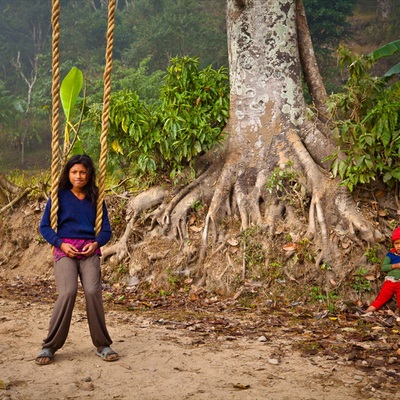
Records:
x=282, y=179
x=361, y=284
x=325, y=266
x=146, y=32
x=386, y=14
x=163, y=29
x=5, y=101
x=167, y=136
x=197, y=206
x=172, y=278
x=253, y=250
x=194, y=109
x=117, y=273
x=24, y=34
x=40, y=239
x=317, y=294
x=286, y=184
x=140, y=80
x=304, y=253
x=270, y=272
x=25, y=180
x=368, y=122
x=372, y=255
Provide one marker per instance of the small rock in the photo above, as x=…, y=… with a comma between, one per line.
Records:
x=273, y=361
x=87, y=386
x=262, y=339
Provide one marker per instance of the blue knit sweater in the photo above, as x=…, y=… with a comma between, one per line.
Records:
x=76, y=220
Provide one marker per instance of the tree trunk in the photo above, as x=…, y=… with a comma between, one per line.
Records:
x=384, y=9
x=268, y=123
x=272, y=165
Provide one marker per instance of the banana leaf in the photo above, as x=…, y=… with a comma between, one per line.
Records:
x=69, y=91
x=385, y=51
x=392, y=71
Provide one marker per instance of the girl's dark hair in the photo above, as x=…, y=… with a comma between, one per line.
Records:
x=90, y=189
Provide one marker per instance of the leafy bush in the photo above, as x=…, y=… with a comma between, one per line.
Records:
x=368, y=121
x=167, y=135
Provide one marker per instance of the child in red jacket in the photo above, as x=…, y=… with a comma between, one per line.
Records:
x=390, y=265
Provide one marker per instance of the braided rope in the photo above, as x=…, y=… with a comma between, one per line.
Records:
x=55, y=91
x=105, y=114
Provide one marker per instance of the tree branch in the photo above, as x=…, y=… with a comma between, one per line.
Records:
x=309, y=64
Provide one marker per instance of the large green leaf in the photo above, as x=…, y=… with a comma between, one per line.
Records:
x=392, y=71
x=70, y=89
x=77, y=148
x=386, y=50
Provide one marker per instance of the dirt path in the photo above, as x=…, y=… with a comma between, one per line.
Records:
x=159, y=360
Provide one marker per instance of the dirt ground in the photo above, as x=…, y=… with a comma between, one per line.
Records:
x=160, y=360
x=213, y=353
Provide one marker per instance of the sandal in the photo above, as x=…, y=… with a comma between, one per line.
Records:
x=45, y=357
x=106, y=353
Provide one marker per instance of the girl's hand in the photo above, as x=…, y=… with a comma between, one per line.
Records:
x=70, y=250
x=89, y=249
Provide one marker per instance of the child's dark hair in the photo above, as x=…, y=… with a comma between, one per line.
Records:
x=90, y=189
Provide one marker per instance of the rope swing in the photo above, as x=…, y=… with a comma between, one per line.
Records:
x=105, y=113
x=55, y=115
x=55, y=174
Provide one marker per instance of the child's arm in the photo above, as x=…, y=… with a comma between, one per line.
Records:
x=387, y=266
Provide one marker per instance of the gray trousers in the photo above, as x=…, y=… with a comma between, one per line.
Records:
x=66, y=273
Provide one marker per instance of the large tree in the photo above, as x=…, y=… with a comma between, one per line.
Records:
x=272, y=138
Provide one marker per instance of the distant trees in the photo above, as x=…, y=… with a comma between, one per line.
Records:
x=148, y=34
x=170, y=28
x=24, y=33
x=328, y=21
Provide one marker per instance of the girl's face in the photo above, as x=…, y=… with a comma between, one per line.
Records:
x=78, y=176
x=396, y=245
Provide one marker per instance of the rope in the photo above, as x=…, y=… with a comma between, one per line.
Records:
x=105, y=114
x=55, y=126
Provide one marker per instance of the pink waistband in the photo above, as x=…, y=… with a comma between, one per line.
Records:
x=78, y=243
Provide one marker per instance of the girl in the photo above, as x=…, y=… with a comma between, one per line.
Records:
x=76, y=254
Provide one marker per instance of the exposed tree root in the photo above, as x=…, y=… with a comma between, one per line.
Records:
x=268, y=130
x=15, y=200
x=167, y=213
x=240, y=194
x=8, y=186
